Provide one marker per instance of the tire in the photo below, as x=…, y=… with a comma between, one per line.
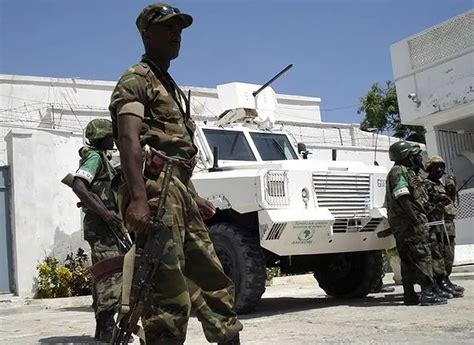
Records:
x=243, y=261
x=349, y=275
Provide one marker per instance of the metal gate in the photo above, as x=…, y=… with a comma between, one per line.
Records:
x=452, y=143
x=6, y=279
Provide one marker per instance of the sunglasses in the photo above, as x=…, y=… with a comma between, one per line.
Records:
x=164, y=11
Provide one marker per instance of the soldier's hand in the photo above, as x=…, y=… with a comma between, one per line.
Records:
x=111, y=218
x=206, y=208
x=137, y=216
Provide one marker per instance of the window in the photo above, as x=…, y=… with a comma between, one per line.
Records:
x=273, y=147
x=232, y=145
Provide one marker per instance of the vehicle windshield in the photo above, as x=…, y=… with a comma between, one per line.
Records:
x=273, y=147
x=232, y=145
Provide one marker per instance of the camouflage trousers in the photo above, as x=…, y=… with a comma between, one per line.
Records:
x=442, y=248
x=413, y=246
x=190, y=275
x=449, y=245
x=105, y=293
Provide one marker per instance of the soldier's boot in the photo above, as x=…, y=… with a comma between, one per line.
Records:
x=441, y=292
x=444, y=285
x=409, y=295
x=453, y=286
x=106, y=325
x=234, y=341
x=428, y=297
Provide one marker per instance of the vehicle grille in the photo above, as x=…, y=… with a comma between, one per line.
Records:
x=345, y=195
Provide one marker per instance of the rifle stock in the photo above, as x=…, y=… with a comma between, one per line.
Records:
x=118, y=231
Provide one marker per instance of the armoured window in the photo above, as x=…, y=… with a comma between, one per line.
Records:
x=273, y=147
x=232, y=145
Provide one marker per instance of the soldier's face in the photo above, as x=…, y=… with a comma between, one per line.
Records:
x=418, y=161
x=163, y=40
x=438, y=171
x=108, y=142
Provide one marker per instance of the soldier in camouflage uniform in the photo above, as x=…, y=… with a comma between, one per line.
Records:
x=443, y=209
x=405, y=207
x=95, y=175
x=418, y=175
x=148, y=108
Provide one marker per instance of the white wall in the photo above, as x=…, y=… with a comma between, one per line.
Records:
x=45, y=219
x=436, y=65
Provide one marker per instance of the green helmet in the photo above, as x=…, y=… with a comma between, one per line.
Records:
x=399, y=150
x=434, y=160
x=98, y=129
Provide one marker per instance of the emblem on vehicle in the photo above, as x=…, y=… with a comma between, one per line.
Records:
x=306, y=235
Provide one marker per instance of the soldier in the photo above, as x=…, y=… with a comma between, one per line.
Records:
x=406, y=215
x=418, y=176
x=95, y=175
x=148, y=108
x=443, y=210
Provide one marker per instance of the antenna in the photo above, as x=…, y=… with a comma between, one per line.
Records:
x=376, y=131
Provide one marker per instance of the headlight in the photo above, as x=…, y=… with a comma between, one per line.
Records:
x=276, y=188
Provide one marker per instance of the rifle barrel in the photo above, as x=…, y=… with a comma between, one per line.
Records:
x=255, y=93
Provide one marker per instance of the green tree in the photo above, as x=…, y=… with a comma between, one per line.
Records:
x=380, y=107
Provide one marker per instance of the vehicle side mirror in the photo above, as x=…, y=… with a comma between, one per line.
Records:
x=303, y=151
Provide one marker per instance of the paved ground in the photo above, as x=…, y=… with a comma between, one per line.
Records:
x=297, y=312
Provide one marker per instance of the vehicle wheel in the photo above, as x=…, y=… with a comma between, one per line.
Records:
x=243, y=261
x=349, y=275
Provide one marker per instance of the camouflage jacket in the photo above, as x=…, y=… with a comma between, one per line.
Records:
x=96, y=170
x=403, y=181
x=157, y=100
x=442, y=206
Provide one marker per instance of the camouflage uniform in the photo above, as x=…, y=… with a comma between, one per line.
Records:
x=443, y=209
x=95, y=169
x=412, y=240
x=190, y=273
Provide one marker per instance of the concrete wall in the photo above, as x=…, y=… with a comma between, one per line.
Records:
x=437, y=66
x=45, y=219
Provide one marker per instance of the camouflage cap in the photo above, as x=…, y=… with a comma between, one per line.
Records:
x=98, y=129
x=434, y=160
x=160, y=12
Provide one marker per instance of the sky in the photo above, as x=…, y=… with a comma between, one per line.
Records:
x=338, y=47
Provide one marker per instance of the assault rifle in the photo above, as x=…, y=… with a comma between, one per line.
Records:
x=119, y=231
x=143, y=260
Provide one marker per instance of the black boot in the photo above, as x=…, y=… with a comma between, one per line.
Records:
x=453, y=286
x=444, y=285
x=428, y=297
x=441, y=292
x=234, y=341
x=105, y=325
x=409, y=295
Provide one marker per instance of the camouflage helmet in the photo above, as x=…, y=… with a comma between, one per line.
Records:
x=98, y=129
x=434, y=160
x=399, y=150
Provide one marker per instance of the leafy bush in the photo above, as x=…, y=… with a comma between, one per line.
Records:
x=72, y=279
x=273, y=272
x=81, y=283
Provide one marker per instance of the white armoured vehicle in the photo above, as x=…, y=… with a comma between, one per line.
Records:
x=276, y=209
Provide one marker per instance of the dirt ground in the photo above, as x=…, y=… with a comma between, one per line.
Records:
x=295, y=312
